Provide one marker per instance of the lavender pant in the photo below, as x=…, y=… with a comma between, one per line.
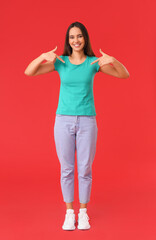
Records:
x=75, y=133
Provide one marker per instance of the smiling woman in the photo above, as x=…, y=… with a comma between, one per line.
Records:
x=77, y=129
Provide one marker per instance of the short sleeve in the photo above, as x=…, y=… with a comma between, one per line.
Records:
x=57, y=64
x=95, y=65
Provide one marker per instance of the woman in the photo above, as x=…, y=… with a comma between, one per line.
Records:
x=75, y=125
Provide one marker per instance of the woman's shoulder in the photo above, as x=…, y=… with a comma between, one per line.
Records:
x=63, y=57
x=95, y=65
x=93, y=57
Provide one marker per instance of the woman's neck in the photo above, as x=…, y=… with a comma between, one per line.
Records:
x=77, y=56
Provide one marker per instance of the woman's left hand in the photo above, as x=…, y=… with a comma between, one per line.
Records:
x=104, y=59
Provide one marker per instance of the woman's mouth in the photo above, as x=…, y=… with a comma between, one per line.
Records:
x=76, y=45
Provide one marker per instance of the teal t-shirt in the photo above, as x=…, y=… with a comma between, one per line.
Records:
x=76, y=88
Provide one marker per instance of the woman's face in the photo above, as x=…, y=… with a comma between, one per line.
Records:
x=76, y=39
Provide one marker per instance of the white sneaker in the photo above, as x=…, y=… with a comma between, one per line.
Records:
x=83, y=219
x=69, y=222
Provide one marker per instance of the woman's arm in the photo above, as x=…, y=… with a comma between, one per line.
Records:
x=106, y=62
x=36, y=67
x=117, y=70
x=33, y=66
x=120, y=69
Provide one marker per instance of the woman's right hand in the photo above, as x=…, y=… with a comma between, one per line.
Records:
x=51, y=56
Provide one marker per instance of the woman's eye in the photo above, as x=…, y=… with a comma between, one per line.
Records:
x=79, y=36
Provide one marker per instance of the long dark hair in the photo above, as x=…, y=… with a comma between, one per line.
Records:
x=87, y=47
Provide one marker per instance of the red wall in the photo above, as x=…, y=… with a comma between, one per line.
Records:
x=124, y=168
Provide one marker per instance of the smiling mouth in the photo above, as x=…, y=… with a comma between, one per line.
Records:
x=76, y=45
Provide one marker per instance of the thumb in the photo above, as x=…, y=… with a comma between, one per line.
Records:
x=101, y=51
x=55, y=49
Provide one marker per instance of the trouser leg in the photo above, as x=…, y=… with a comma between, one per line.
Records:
x=86, y=139
x=64, y=136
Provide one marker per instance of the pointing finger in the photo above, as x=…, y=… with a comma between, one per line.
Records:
x=95, y=61
x=60, y=59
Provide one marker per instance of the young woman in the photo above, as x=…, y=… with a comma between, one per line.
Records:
x=75, y=125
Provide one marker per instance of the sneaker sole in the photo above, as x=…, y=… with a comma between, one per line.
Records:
x=64, y=228
x=81, y=228
x=70, y=229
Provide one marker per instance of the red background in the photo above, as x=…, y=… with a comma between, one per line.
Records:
x=123, y=196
